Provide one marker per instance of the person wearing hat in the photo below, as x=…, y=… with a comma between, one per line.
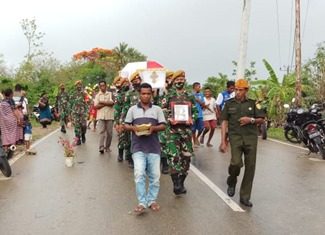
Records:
x=179, y=138
x=132, y=97
x=78, y=108
x=160, y=100
x=122, y=85
x=240, y=116
x=61, y=106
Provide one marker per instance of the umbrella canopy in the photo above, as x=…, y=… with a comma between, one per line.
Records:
x=130, y=68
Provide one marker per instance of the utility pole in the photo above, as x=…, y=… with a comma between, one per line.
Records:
x=298, y=100
x=243, y=40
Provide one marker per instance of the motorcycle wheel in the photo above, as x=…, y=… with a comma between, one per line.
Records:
x=263, y=131
x=292, y=136
x=5, y=167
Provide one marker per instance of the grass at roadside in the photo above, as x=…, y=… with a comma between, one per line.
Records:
x=276, y=133
x=39, y=131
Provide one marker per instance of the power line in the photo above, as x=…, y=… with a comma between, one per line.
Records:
x=290, y=34
x=305, y=20
x=278, y=26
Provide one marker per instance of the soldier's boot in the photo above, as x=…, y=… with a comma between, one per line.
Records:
x=131, y=163
x=83, y=134
x=182, y=179
x=83, y=138
x=165, y=167
x=120, y=155
x=176, y=183
x=63, y=130
x=130, y=160
x=233, y=171
x=78, y=142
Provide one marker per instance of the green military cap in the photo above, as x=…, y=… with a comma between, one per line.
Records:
x=179, y=73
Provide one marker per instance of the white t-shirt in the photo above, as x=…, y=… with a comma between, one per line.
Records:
x=207, y=114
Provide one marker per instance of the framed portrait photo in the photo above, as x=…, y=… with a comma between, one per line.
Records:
x=181, y=112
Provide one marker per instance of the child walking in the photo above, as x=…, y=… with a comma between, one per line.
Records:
x=28, y=135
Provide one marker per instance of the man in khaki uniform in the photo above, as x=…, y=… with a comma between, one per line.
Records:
x=240, y=115
x=105, y=115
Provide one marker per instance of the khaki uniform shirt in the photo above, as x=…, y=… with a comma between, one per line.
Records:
x=234, y=110
x=105, y=113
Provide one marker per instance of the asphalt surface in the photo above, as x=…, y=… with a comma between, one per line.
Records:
x=97, y=195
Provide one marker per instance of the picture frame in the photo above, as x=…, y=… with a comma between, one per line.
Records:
x=181, y=112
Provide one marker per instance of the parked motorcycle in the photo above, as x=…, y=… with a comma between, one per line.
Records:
x=306, y=126
x=4, y=156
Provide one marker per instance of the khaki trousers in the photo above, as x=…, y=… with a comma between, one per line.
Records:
x=105, y=133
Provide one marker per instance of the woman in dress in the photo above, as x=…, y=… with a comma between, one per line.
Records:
x=8, y=120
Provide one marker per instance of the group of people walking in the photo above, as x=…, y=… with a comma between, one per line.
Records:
x=157, y=129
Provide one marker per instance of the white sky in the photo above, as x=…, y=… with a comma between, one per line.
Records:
x=199, y=36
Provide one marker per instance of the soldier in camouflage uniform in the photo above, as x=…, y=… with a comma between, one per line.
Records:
x=160, y=100
x=122, y=84
x=179, y=142
x=132, y=97
x=79, y=112
x=61, y=105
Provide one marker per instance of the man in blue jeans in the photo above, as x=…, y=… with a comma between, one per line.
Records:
x=145, y=120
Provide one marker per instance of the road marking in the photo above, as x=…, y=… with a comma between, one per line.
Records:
x=291, y=145
x=233, y=205
x=16, y=158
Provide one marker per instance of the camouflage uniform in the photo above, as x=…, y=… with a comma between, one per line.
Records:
x=160, y=100
x=179, y=143
x=62, y=101
x=118, y=108
x=79, y=113
x=132, y=97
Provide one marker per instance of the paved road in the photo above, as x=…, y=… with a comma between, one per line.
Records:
x=97, y=195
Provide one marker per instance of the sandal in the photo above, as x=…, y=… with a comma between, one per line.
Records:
x=154, y=206
x=139, y=209
x=209, y=145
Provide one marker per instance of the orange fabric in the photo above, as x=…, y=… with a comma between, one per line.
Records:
x=241, y=83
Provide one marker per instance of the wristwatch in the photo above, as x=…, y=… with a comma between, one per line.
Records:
x=253, y=120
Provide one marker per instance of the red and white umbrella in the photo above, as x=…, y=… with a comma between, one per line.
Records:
x=130, y=68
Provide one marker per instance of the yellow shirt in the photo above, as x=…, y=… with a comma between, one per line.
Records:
x=107, y=112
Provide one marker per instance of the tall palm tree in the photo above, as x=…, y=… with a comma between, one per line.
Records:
x=122, y=54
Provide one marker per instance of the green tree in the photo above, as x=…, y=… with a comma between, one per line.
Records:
x=123, y=54
x=217, y=84
x=278, y=93
x=250, y=73
x=314, y=73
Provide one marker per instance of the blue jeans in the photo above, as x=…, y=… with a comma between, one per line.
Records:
x=146, y=164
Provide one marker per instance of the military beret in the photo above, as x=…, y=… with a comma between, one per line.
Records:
x=179, y=73
x=241, y=83
x=116, y=79
x=134, y=76
x=169, y=74
x=78, y=82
